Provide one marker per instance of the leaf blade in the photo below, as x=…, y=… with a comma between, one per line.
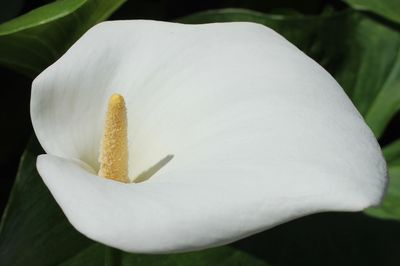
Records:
x=31, y=42
x=389, y=9
x=21, y=229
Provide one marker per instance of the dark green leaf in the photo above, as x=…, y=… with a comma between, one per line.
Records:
x=224, y=256
x=392, y=153
x=33, y=41
x=14, y=115
x=361, y=53
x=34, y=231
x=389, y=9
x=390, y=207
x=328, y=239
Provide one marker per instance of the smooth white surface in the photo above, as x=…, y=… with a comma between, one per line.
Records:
x=260, y=134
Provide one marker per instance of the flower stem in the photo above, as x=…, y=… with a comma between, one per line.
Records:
x=112, y=257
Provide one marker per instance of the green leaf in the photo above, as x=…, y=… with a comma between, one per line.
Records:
x=224, y=256
x=389, y=9
x=33, y=41
x=363, y=56
x=390, y=207
x=34, y=231
x=392, y=153
x=328, y=239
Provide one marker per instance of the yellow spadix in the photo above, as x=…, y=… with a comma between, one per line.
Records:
x=114, y=149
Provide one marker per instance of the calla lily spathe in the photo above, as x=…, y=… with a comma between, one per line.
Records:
x=260, y=134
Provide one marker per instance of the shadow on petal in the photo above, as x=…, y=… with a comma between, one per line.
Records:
x=152, y=170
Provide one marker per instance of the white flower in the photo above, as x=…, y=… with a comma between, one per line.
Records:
x=259, y=133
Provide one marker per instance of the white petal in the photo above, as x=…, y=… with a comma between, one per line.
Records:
x=259, y=132
x=171, y=216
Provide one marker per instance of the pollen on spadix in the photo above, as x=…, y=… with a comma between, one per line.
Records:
x=113, y=157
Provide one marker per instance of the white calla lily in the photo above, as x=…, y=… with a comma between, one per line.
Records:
x=259, y=133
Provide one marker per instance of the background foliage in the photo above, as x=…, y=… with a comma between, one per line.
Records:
x=357, y=41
